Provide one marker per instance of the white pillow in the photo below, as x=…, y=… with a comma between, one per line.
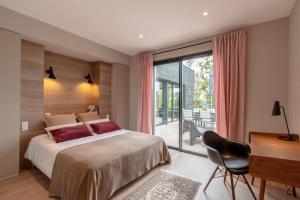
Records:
x=88, y=116
x=59, y=119
x=48, y=129
x=88, y=123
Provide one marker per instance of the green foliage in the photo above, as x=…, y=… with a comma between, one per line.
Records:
x=202, y=67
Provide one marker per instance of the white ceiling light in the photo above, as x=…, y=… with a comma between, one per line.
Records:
x=205, y=13
x=141, y=36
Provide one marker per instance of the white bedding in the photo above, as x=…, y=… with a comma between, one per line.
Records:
x=42, y=151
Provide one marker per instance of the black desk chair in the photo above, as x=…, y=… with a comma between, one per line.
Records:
x=231, y=157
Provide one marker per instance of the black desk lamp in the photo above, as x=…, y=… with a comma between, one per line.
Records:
x=276, y=112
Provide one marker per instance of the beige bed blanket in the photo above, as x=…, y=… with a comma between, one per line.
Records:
x=94, y=171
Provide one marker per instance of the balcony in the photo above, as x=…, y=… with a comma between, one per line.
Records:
x=170, y=131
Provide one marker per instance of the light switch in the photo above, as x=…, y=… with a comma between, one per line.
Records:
x=24, y=126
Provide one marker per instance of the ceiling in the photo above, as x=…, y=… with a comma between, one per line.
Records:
x=118, y=23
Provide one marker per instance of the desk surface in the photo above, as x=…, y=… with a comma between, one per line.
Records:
x=268, y=145
x=274, y=159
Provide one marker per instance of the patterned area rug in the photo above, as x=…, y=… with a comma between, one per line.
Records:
x=165, y=186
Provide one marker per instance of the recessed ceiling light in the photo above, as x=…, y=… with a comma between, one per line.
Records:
x=205, y=13
x=141, y=36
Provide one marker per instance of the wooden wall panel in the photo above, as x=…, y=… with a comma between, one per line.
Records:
x=32, y=73
x=104, y=81
x=70, y=92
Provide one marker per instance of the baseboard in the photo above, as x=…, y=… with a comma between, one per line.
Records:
x=9, y=176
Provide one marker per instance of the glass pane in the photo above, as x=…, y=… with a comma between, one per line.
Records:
x=198, y=112
x=176, y=102
x=158, y=103
x=170, y=102
x=167, y=102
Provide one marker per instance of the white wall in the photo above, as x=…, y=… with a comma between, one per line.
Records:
x=294, y=69
x=266, y=75
x=10, y=70
x=120, y=95
x=133, y=92
x=57, y=40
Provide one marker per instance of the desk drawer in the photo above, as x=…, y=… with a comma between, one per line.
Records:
x=278, y=170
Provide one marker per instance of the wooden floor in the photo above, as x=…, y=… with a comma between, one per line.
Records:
x=33, y=185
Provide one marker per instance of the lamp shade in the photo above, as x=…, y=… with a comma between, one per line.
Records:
x=276, y=109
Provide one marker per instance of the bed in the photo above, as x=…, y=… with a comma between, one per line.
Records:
x=95, y=167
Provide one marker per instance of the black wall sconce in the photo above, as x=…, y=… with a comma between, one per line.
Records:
x=51, y=73
x=89, y=79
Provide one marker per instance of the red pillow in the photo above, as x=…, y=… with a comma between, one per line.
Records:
x=70, y=133
x=104, y=127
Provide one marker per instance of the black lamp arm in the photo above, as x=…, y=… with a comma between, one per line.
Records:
x=286, y=123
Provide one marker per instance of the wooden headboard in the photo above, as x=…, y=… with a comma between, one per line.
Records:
x=69, y=93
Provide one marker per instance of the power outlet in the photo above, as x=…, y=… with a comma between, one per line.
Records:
x=25, y=126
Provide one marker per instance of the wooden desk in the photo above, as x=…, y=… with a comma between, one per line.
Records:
x=274, y=159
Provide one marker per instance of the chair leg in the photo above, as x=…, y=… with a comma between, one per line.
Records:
x=249, y=186
x=252, y=180
x=225, y=175
x=294, y=192
x=212, y=176
x=232, y=187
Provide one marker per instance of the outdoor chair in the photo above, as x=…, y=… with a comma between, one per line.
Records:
x=205, y=118
x=187, y=114
x=189, y=125
x=196, y=115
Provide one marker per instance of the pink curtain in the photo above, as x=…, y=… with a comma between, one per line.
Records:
x=229, y=64
x=145, y=79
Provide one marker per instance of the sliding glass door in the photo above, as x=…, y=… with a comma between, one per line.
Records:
x=198, y=109
x=166, y=102
x=184, y=101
